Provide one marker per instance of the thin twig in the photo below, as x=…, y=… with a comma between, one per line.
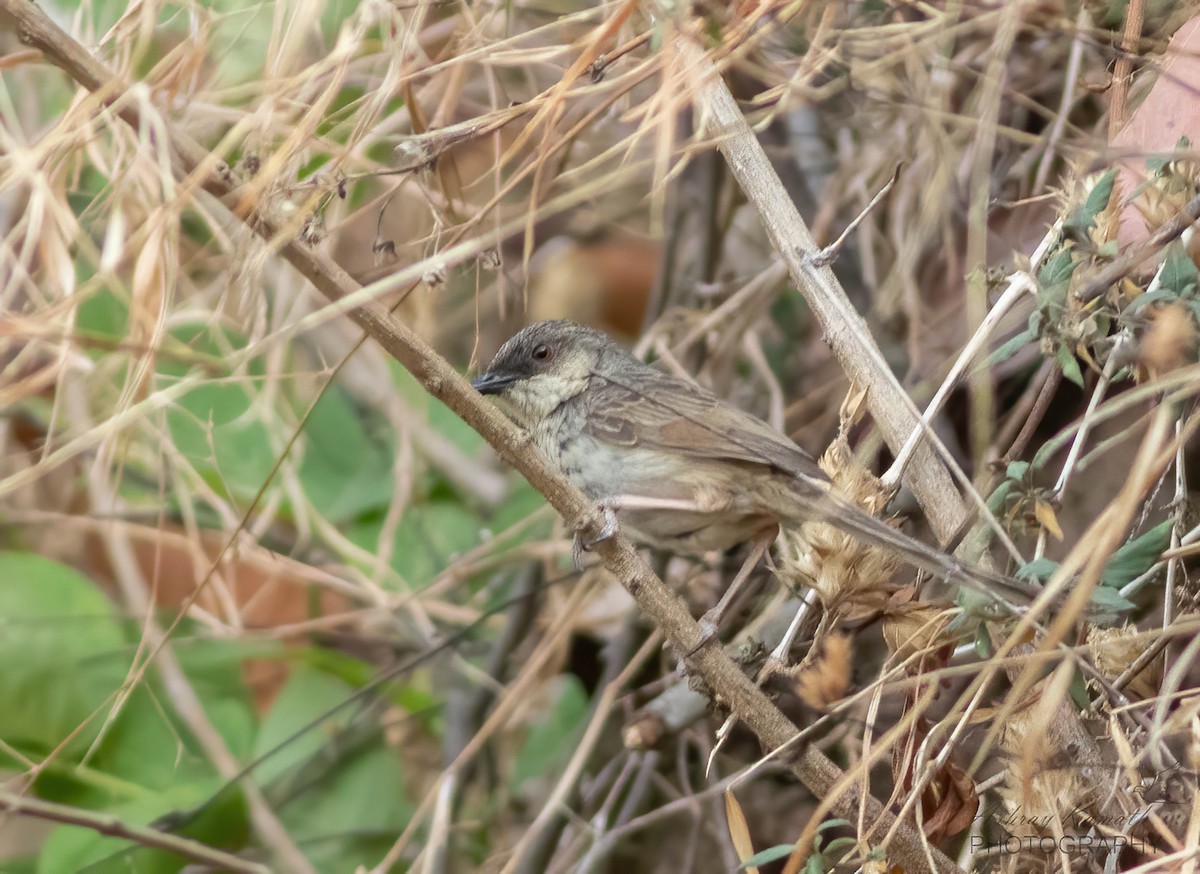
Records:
x=105, y=824
x=1019, y=285
x=1134, y=256
x=829, y=254
x=1131, y=37
x=1040, y=406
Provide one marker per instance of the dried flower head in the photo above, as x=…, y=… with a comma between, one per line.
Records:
x=1169, y=342
x=848, y=576
x=1114, y=650
x=1167, y=192
x=825, y=680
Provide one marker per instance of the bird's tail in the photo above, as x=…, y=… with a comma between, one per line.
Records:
x=848, y=517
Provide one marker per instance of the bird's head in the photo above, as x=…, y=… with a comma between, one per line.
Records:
x=541, y=367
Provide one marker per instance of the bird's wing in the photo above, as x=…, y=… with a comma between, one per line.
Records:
x=647, y=408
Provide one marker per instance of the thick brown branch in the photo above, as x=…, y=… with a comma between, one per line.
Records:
x=845, y=331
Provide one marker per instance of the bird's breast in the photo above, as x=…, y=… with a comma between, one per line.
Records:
x=706, y=512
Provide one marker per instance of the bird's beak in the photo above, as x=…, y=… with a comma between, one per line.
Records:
x=492, y=383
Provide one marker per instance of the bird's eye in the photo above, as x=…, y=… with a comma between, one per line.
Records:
x=542, y=352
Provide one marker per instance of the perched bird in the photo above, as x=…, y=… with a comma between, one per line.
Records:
x=679, y=468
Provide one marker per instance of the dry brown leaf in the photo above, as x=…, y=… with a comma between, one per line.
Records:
x=849, y=577
x=739, y=830
x=949, y=801
x=1046, y=517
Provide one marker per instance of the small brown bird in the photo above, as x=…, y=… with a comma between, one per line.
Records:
x=682, y=469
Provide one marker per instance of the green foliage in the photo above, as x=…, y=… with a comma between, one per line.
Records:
x=102, y=315
x=1069, y=365
x=1126, y=564
x=1083, y=218
x=1176, y=283
x=345, y=473
x=65, y=655
x=350, y=807
x=428, y=536
x=553, y=738
x=770, y=854
x=1136, y=556
x=70, y=848
x=67, y=659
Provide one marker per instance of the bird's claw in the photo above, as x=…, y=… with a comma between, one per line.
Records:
x=607, y=530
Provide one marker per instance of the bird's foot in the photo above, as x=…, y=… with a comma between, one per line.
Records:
x=607, y=530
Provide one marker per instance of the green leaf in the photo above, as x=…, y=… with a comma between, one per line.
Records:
x=100, y=314
x=996, y=499
x=1017, y=470
x=1107, y=607
x=1101, y=193
x=306, y=695
x=344, y=473
x=1055, y=276
x=1012, y=346
x=313, y=165
x=520, y=504
x=230, y=446
x=983, y=641
x=1038, y=569
x=1079, y=692
x=63, y=654
x=442, y=420
x=1070, y=366
x=839, y=843
x=1137, y=556
x=1083, y=217
x=217, y=425
x=832, y=823
x=1142, y=301
x=222, y=824
x=552, y=739
x=341, y=109
x=430, y=535
x=770, y=854
x=1178, y=274
x=352, y=816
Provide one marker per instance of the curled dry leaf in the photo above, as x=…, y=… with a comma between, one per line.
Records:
x=949, y=801
x=1047, y=518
